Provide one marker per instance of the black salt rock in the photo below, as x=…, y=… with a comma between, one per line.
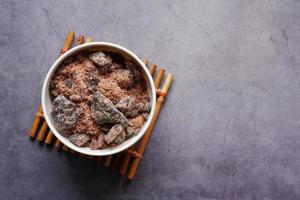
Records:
x=104, y=111
x=79, y=139
x=114, y=133
x=97, y=142
x=131, y=107
x=120, y=138
x=101, y=60
x=63, y=113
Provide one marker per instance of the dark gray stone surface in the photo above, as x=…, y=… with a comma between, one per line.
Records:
x=230, y=129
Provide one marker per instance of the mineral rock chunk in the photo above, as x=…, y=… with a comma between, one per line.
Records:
x=131, y=107
x=63, y=112
x=134, y=125
x=79, y=139
x=101, y=141
x=120, y=138
x=114, y=132
x=124, y=78
x=136, y=73
x=103, y=61
x=97, y=142
x=104, y=111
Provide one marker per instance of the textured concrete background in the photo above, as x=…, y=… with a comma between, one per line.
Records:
x=230, y=129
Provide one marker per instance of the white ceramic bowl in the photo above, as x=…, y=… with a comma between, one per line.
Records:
x=47, y=102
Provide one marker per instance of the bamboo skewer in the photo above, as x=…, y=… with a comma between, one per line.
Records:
x=89, y=39
x=152, y=69
x=159, y=77
x=80, y=40
x=107, y=161
x=57, y=144
x=68, y=42
x=116, y=161
x=36, y=122
x=65, y=148
x=42, y=132
x=146, y=62
x=98, y=159
x=127, y=156
x=49, y=138
x=125, y=162
x=142, y=145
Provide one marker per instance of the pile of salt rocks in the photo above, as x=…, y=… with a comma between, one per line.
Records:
x=103, y=112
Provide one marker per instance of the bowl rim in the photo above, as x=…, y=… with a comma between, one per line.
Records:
x=117, y=148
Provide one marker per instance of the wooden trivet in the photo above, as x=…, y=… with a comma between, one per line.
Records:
x=120, y=161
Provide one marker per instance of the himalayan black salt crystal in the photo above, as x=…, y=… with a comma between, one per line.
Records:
x=63, y=112
x=68, y=82
x=124, y=78
x=134, y=69
x=94, y=144
x=101, y=60
x=104, y=111
x=97, y=142
x=113, y=133
x=120, y=138
x=131, y=107
x=134, y=125
x=79, y=140
x=101, y=141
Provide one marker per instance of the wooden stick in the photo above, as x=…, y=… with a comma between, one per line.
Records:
x=98, y=158
x=127, y=156
x=167, y=84
x=143, y=143
x=65, y=148
x=72, y=151
x=89, y=39
x=36, y=122
x=42, y=133
x=146, y=62
x=68, y=42
x=80, y=40
x=49, y=138
x=57, y=144
x=107, y=161
x=159, y=77
x=152, y=69
x=125, y=162
x=116, y=161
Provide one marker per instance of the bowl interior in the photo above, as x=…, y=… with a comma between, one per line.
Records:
x=47, y=101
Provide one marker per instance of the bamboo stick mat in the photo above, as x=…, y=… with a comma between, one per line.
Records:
x=125, y=163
